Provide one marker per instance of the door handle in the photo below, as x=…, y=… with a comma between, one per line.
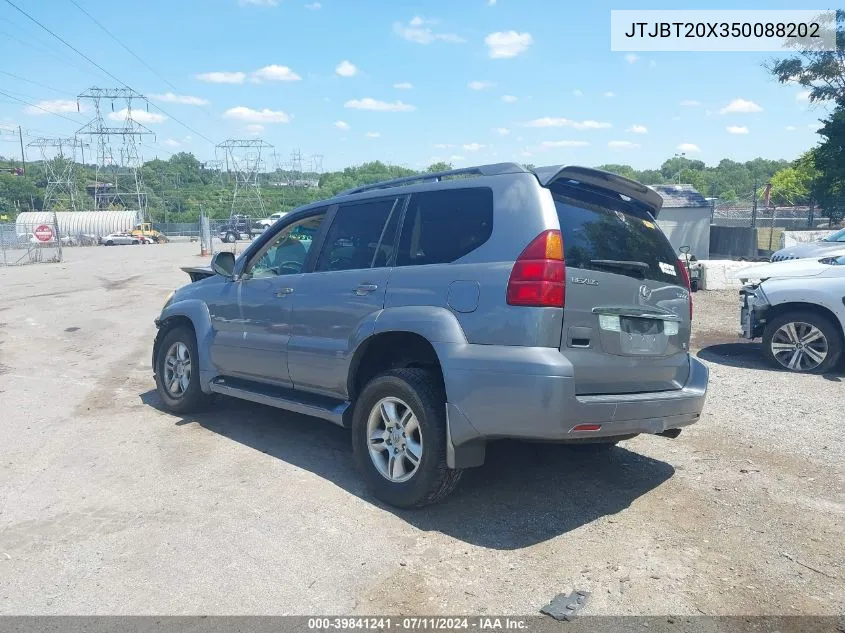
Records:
x=365, y=289
x=284, y=292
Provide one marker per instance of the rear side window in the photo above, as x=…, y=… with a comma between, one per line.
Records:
x=361, y=236
x=442, y=226
x=598, y=237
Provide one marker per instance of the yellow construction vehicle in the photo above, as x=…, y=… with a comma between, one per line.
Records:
x=146, y=229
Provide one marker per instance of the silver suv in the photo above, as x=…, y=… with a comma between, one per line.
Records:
x=435, y=313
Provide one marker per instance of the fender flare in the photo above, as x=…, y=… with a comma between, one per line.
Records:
x=197, y=313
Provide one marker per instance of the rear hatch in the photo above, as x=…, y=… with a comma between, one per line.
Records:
x=626, y=325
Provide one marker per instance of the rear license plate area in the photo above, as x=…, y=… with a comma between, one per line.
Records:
x=642, y=337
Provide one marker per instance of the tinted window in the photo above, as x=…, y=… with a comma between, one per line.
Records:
x=601, y=234
x=442, y=226
x=286, y=253
x=839, y=236
x=361, y=236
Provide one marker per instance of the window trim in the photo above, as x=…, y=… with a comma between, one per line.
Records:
x=262, y=247
x=401, y=202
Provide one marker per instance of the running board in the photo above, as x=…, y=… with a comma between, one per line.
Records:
x=335, y=411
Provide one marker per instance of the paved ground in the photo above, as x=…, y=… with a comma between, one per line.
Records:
x=110, y=506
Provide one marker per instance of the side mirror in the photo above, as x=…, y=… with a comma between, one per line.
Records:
x=223, y=264
x=684, y=249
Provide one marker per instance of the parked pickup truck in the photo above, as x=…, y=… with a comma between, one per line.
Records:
x=797, y=308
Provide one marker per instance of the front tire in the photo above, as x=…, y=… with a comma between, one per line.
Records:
x=177, y=373
x=231, y=238
x=803, y=342
x=399, y=438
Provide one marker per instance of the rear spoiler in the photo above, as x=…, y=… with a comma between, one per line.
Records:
x=596, y=178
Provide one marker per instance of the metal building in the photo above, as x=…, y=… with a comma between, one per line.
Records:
x=79, y=223
x=685, y=218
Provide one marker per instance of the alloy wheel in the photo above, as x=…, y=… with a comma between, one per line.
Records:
x=799, y=346
x=177, y=370
x=394, y=439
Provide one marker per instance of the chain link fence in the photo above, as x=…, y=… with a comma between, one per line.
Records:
x=22, y=244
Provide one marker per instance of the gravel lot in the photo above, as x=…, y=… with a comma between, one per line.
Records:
x=109, y=505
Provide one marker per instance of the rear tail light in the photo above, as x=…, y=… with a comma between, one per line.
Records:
x=685, y=275
x=539, y=273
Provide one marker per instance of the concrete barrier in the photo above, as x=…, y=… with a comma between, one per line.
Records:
x=792, y=238
x=717, y=274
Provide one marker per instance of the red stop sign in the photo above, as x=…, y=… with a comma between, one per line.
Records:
x=43, y=233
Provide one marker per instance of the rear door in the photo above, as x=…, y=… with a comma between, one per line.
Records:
x=343, y=294
x=626, y=322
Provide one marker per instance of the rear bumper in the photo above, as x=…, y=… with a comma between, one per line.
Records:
x=535, y=399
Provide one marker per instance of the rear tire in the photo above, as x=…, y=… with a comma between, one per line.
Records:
x=178, y=392
x=815, y=338
x=399, y=438
x=231, y=238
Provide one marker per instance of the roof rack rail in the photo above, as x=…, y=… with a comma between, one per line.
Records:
x=437, y=176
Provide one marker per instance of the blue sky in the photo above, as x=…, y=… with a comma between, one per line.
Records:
x=467, y=81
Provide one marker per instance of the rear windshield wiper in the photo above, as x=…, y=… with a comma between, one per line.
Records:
x=617, y=263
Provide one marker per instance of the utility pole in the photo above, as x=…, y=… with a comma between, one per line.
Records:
x=754, y=205
x=23, y=158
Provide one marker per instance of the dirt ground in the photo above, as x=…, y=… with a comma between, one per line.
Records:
x=109, y=505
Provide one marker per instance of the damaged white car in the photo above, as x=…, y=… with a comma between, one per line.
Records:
x=797, y=308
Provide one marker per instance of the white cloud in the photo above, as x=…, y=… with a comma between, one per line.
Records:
x=141, y=116
x=503, y=131
x=259, y=3
x=341, y=125
x=255, y=129
x=789, y=128
x=373, y=134
x=481, y=85
x=444, y=146
x=688, y=147
x=172, y=142
x=223, y=77
x=56, y=107
x=242, y=113
x=737, y=129
x=473, y=147
x=561, y=122
x=631, y=58
x=368, y=103
x=638, y=129
x=274, y=72
x=505, y=44
x=609, y=94
x=564, y=143
x=169, y=97
x=404, y=85
x=346, y=69
x=690, y=103
x=314, y=6
x=803, y=96
x=740, y=105
x=577, y=93
x=417, y=32
x=510, y=98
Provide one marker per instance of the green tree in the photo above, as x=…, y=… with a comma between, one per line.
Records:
x=829, y=159
x=794, y=184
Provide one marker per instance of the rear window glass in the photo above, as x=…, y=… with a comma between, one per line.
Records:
x=597, y=236
x=442, y=226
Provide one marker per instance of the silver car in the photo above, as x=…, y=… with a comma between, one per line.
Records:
x=435, y=313
x=834, y=241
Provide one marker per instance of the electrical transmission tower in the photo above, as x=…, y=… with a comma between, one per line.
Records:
x=118, y=181
x=244, y=157
x=58, y=155
x=317, y=164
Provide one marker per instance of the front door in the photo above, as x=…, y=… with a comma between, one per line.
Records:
x=340, y=299
x=266, y=290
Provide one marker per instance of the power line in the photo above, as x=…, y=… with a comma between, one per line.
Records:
x=63, y=41
x=6, y=94
x=36, y=83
